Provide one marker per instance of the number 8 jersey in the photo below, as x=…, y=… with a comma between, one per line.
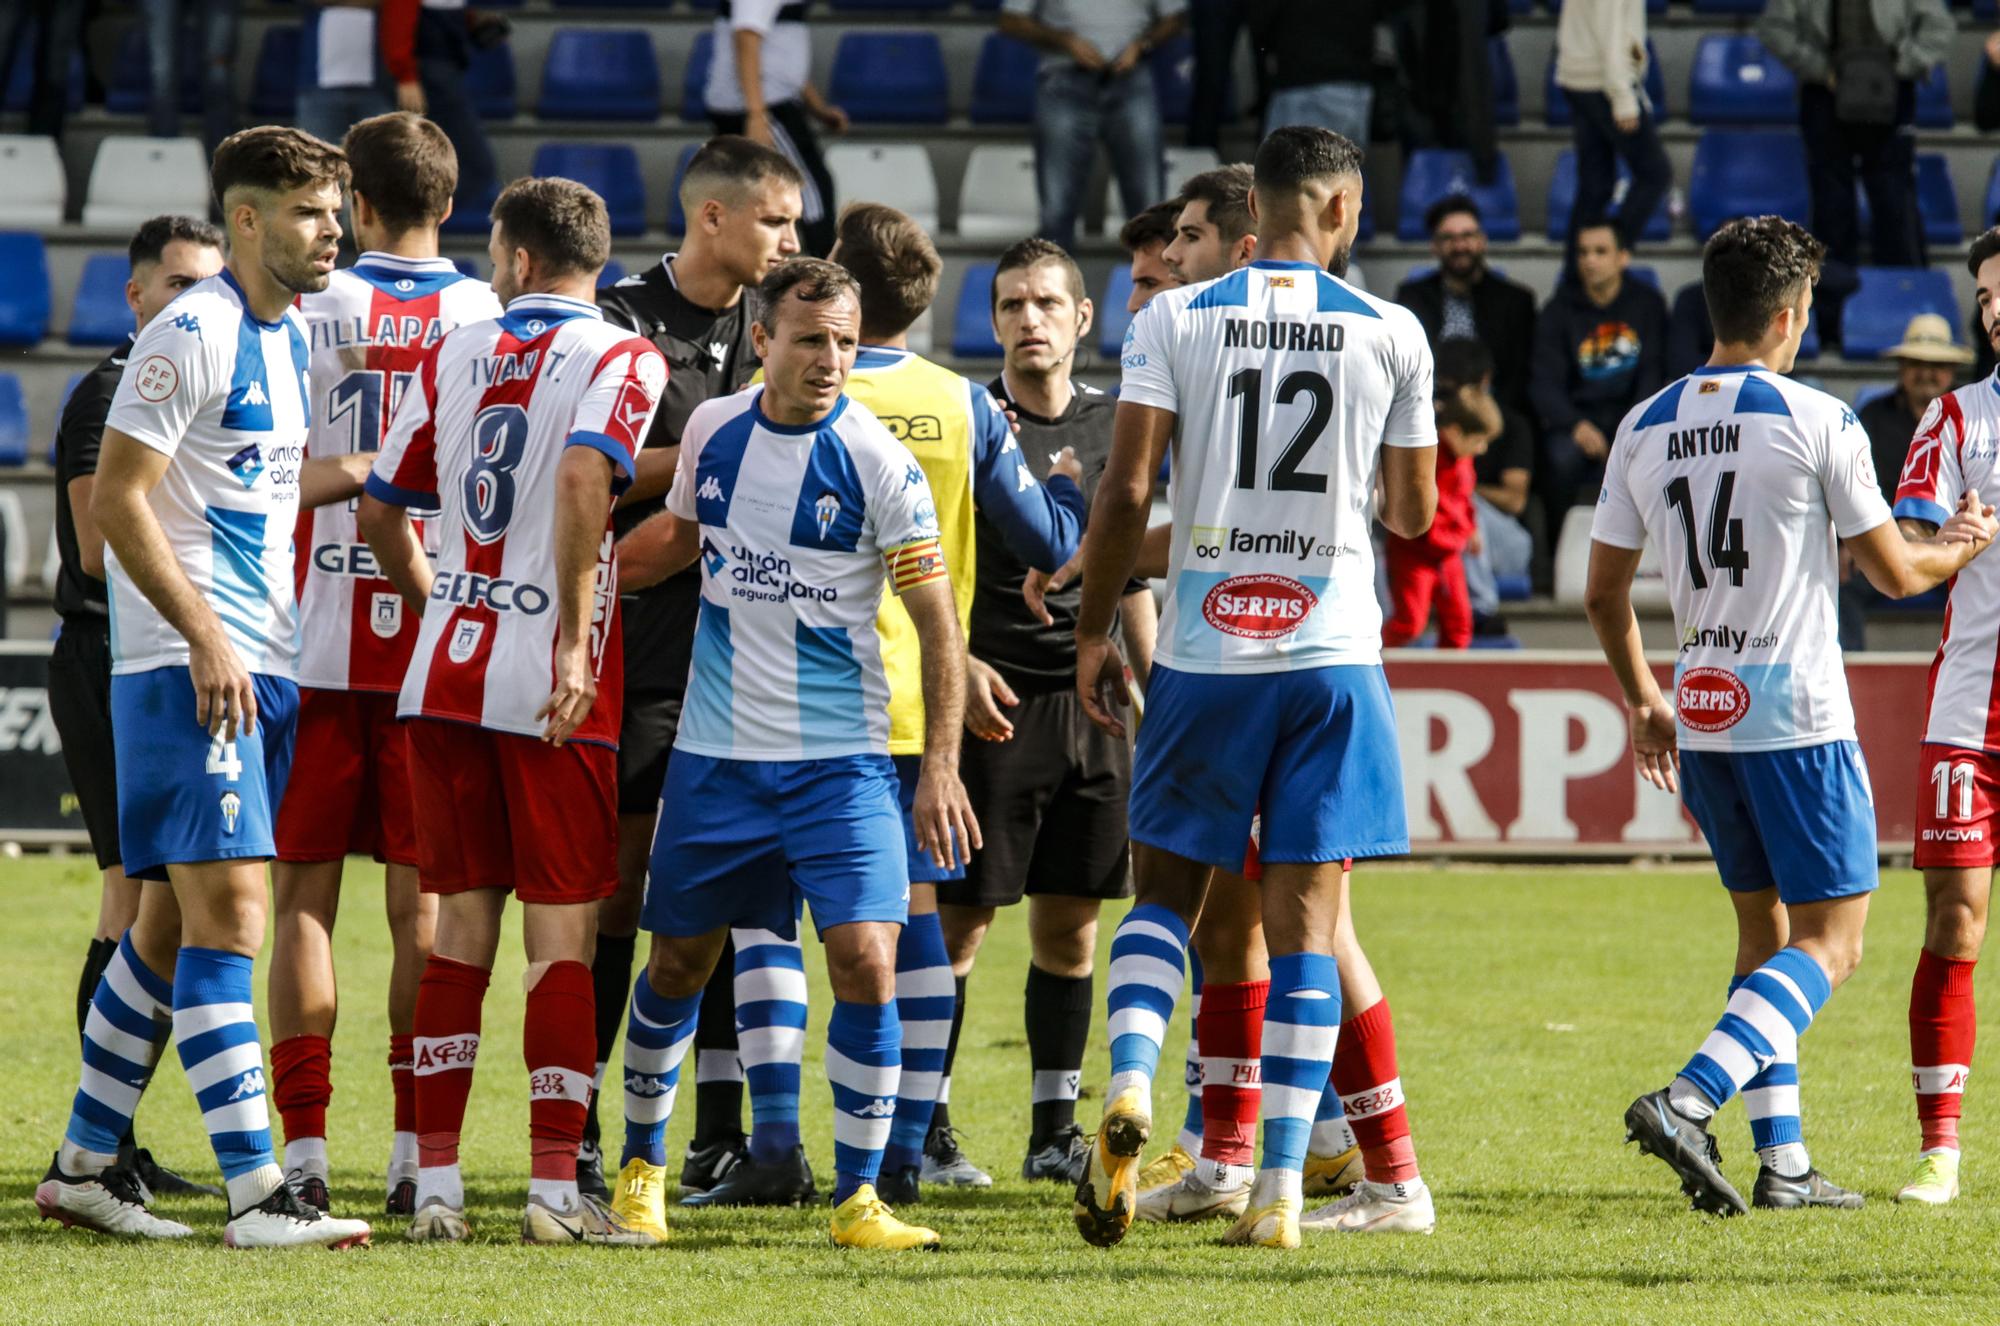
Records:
x=477, y=438
x=1742, y=480
x=1287, y=382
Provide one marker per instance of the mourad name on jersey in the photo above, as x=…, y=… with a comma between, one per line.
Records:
x=1258, y=607
x=1293, y=334
x=1708, y=440
x=1711, y=699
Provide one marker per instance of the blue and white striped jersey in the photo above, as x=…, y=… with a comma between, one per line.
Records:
x=800, y=526
x=1288, y=382
x=225, y=397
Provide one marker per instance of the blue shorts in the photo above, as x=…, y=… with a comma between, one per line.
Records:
x=1801, y=821
x=923, y=870
x=738, y=837
x=184, y=796
x=1314, y=750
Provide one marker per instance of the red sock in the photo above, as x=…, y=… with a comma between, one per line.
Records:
x=300, y=1084
x=403, y=1082
x=1943, y=1021
x=559, y=1041
x=445, y=1048
x=1364, y=1073
x=1230, y=1029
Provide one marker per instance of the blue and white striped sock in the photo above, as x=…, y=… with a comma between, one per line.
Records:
x=130, y=1019
x=1766, y=1016
x=215, y=1030
x=925, y=997
x=864, y=1057
x=658, y=1032
x=1332, y=1135
x=1301, y=1024
x=1771, y=1099
x=1148, y=956
x=1190, y=1138
x=771, y=1037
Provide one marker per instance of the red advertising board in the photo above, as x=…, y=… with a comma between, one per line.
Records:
x=1529, y=752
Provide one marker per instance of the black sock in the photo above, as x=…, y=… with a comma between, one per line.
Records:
x=94, y=963
x=718, y=1105
x=941, y=1115
x=611, y=986
x=1058, y=1013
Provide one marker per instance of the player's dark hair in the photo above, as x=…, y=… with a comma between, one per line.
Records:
x=561, y=222
x=150, y=240
x=405, y=167
x=1452, y=204
x=1604, y=223
x=1292, y=157
x=1033, y=252
x=1155, y=225
x=728, y=165
x=895, y=263
x=813, y=280
x=1225, y=191
x=274, y=158
x=1753, y=267
x=1984, y=246
x=1462, y=361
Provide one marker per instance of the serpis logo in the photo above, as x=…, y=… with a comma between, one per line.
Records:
x=1711, y=699
x=1258, y=607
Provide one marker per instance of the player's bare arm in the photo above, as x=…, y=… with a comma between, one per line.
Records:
x=662, y=546
x=89, y=538
x=653, y=473
x=1139, y=441
x=393, y=540
x=1900, y=565
x=127, y=471
x=1409, y=490
x=1607, y=600
x=583, y=491
x=324, y=480
x=946, y=826
x=986, y=693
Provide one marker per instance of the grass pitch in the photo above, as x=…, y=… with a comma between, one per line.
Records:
x=1531, y=1006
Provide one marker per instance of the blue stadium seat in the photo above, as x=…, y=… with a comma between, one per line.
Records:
x=1735, y=80
x=613, y=273
x=13, y=422
x=612, y=169
x=1937, y=201
x=694, y=78
x=676, y=218
x=890, y=78
x=1562, y=197
x=1747, y=173
x=1112, y=319
x=130, y=89
x=610, y=4
x=21, y=75
x=972, y=317
x=1506, y=84
x=600, y=74
x=1555, y=103
x=1432, y=173
x=24, y=288
x=1872, y=392
x=1809, y=346
x=274, y=89
x=1874, y=316
x=1173, y=81
x=1728, y=6
x=489, y=81
x=1003, y=84
x=891, y=4
x=471, y=216
x=100, y=315
x=1934, y=100
x=467, y=267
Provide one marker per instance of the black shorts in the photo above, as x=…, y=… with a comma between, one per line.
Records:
x=645, y=740
x=1051, y=806
x=80, y=704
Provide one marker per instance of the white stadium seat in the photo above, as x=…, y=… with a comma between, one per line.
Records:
x=36, y=188
x=897, y=174
x=1649, y=587
x=998, y=200
x=135, y=178
x=1181, y=162
x=14, y=520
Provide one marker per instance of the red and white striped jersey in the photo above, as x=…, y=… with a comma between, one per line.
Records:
x=477, y=438
x=370, y=327
x=1957, y=450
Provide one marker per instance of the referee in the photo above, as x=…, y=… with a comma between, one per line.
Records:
x=168, y=254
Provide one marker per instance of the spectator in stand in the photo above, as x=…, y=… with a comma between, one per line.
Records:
x=57, y=29
x=1216, y=26
x=1449, y=92
x=341, y=80
x=1601, y=67
x=217, y=51
x=1502, y=472
x=1858, y=62
x=1986, y=97
x=1465, y=297
x=1321, y=73
x=1095, y=82
x=1690, y=336
x=1600, y=347
x=1927, y=361
x=760, y=86
x=427, y=46
x=1428, y=572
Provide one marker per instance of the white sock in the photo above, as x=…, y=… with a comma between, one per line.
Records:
x=1189, y=1141
x=442, y=1182
x=248, y=1189
x=1277, y=1183
x=1133, y=1080
x=1332, y=1137
x=307, y=1155
x=558, y=1195
x=403, y=1158
x=1789, y=1159
x=1222, y=1177
x=1689, y=1102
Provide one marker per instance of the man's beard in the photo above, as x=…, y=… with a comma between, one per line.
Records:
x=1337, y=264
x=299, y=276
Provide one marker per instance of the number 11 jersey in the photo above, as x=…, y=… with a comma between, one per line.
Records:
x=1742, y=480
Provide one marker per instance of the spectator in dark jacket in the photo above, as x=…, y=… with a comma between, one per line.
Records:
x=1465, y=297
x=1600, y=348
x=427, y=46
x=1321, y=73
x=1926, y=362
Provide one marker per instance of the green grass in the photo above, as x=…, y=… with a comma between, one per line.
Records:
x=1531, y=1006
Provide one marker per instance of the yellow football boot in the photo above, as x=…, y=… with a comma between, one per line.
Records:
x=1935, y=1180
x=1167, y=1169
x=1108, y=1195
x=640, y=1201
x=865, y=1221
x=1333, y=1176
x=1272, y=1225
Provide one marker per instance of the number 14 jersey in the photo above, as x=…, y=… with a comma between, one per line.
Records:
x=1742, y=480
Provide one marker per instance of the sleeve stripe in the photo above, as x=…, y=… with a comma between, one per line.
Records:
x=1916, y=508
x=383, y=491
x=914, y=564
x=621, y=459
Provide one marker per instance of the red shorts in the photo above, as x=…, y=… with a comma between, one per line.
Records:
x=503, y=811
x=1958, y=795
x=349, y=792
x=1253, y=865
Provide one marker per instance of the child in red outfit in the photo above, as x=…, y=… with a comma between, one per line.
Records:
x=1429, y=570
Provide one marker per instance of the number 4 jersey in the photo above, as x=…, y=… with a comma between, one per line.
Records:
x=477, y=438
x=1742, y=480
x=370, y=327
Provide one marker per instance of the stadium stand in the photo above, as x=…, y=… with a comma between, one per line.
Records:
x=24, y=288
x=891, y=78
x=694, y=78
x=1736, y=81
x=1003, y=85
x=676, y=216
x=1506, y=86
x=1112, y=319
x=998, y=200
x=1555, y=105
x=972, y=317
x=36, y=189
x=612, y=169
x=274, y=88
x=131, y=85
x=1747, y=173
x=1562, y=197
x=600, y=74
x=21, y=75
x=1875, y=315
x=898, y=174
x=13, y=422
x=489, y=80
x=99, y=315
x=133, y=178
x=1433, y=173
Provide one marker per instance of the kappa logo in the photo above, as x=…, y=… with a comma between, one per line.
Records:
x=465, y=641
x=254, y=394
x=710, y=490
x=1023, y=480
x=827, y=510
x=247, y=465
x=252, y=1084
x=232, y=810
x=913, y=476
x=879, y=1108
x=188, y=323
x=645, y=1084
